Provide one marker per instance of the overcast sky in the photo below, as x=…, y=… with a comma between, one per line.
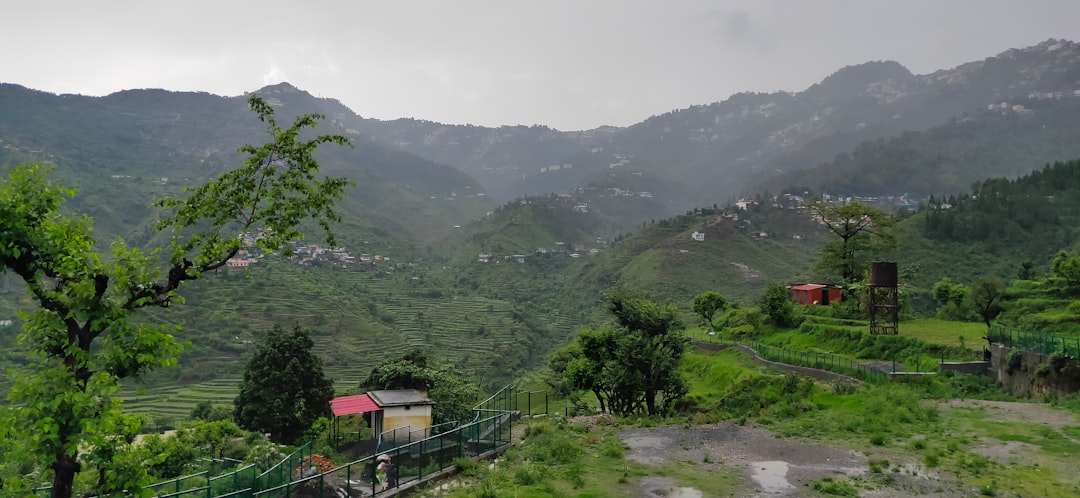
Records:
x=570, y=64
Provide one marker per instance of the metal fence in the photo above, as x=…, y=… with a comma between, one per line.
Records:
x=410, y=462
x=1035, y=341
x=822, y=361
x=297, y=475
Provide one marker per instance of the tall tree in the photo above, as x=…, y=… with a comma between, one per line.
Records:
x=986, y=295
x=776, y=304
x=1066, y=267
x=81, y=337
x=707, y=304
x=284, y=390
x=862, y=230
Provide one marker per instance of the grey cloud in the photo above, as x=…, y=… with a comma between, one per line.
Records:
x=568, y=64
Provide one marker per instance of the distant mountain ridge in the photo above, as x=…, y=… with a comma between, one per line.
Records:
x=126, y=149
x=718, y=151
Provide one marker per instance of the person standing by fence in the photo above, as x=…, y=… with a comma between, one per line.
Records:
x=382, y=471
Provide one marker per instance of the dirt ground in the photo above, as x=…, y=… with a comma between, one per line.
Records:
x=774, y=467
x=1012, y=411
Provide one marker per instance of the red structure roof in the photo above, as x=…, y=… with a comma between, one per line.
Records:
x=807, y=287
x=348, y=405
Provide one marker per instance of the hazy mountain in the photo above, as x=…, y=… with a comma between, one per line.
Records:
x=1007, y=140
x=717, y=151
x=126, y=149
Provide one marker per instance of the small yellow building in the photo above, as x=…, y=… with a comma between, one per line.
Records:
x=400, y=409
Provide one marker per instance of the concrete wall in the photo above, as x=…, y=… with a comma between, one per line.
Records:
x=967, y=367
x=416, y=417
x=1035, y=375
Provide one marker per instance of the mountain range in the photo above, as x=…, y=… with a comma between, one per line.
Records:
x=490, y=246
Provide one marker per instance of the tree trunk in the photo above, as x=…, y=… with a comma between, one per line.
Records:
x=650, y=401
x=600, y=398
x=64, y=469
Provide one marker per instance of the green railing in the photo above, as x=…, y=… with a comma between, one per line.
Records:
x=532, y=403
x=1035, y=341
x=281, y=473
x=822, y=361
x=410, y=462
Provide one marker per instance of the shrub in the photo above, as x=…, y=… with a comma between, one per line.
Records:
x=835, y=488
x=932, y=460
x=467, y=466
x=1013, y=361
x=529, y=473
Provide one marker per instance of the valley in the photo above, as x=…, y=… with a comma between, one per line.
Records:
x=493, y=252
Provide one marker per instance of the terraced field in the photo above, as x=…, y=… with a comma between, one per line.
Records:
x=356, y=319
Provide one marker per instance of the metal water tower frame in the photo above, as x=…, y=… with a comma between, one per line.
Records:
x=884, y=301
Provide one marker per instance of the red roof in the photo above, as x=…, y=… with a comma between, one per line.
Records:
x=348, y=405
x=808, y=287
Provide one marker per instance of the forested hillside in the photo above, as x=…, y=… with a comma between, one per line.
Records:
x=1000, y=142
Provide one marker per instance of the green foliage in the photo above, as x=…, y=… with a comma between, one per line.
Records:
x=81, y=337
x=951, y=299
x=777, y=306
x=169, y=456
x=1014, y=360
x=210, y=413
x=863, y=232
x=1066, y=267
x=284, y=390
x=632, y=368
x=264, y=454
x=453, y=394
x=986, y=295
x=835, y=488
x=213, y=437
x=707, y=304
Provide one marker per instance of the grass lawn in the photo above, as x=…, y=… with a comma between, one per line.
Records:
x=970, y=335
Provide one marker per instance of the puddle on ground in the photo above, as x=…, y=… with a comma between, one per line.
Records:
x=771, y=476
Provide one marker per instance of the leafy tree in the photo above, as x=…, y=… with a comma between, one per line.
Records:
x=777, y=306
x=81, y=337
x=631, y=367
x=986, y=295
x=863, y=232
x=168, y=457
x=210, y=436
x=1066, y=267
x=205, y=411
x=707, y=304
x=453, y=394
x=951, y=299
x=284, y=388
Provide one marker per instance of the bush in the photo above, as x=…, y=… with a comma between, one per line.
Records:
x=1013, y=361
x=467, y=466
x=835, y=488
